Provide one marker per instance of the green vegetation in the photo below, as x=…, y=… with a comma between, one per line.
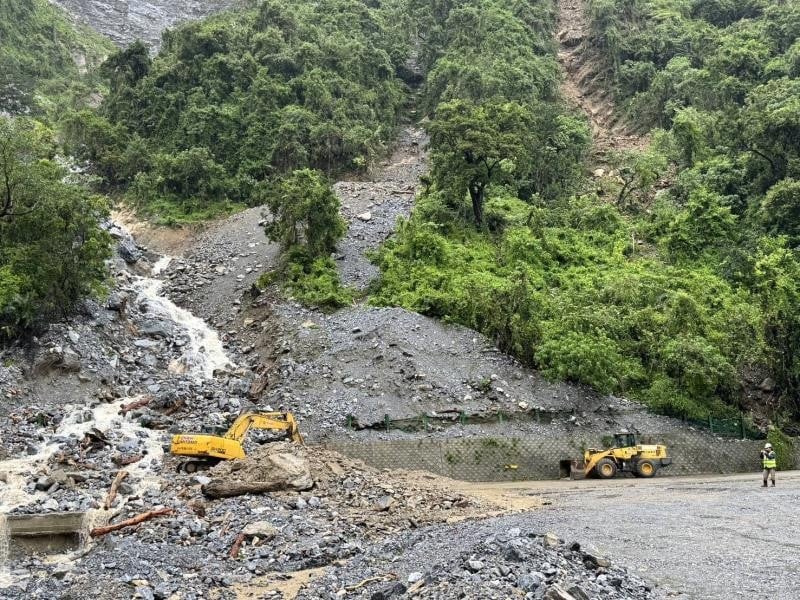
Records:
x=45, y=60
x=674, y=281
x=239, y=100
x=51, y=247
x=670, y=301
x=722, y=80
x=305, y=220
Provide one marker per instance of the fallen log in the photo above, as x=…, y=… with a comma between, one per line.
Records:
x=126, y=408
x=141, y=518
x=368, y=580
x=237, y=544
x=227, y=489
x=112, y=492
x=123, y=461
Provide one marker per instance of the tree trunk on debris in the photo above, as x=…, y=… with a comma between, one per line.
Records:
x=226, y=489
x=152, y=514
x=237, y=544
x=112, y=493
x=126, y=408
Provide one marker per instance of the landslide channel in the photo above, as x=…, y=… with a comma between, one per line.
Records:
x=585, y=85
x=345, y=374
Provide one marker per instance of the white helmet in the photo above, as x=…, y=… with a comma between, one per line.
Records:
x=767, y=445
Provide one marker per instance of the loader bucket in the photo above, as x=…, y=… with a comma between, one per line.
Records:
x=571, y=468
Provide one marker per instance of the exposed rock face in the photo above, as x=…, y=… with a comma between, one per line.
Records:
x=125, y=21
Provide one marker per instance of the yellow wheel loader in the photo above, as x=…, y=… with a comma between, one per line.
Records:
x=210, y=449
x=626, y=456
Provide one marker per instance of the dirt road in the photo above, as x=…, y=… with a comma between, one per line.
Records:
x=713, y=537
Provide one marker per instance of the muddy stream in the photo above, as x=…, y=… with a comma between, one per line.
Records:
x=202, y=355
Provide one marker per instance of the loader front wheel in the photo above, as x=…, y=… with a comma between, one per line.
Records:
x=606, y=468
x=646, y=468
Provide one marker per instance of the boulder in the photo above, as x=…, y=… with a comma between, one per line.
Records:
x=260, y=529
x=156, y=329
x=128, y=250
x=117, y=301
x=60, y=358
x=558, y=593
x=272, y=468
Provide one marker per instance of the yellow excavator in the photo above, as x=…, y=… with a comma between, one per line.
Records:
x=207, y=450
x=626, y=455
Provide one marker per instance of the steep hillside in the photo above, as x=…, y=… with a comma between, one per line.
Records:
x=589, y=280
x=45, y=59
x=237, y=101
x=723, y=80
x=126, y=21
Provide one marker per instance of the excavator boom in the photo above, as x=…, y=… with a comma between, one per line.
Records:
x=272, y=420
x=208, y=449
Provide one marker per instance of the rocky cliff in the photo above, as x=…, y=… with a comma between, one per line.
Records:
x=127, y=20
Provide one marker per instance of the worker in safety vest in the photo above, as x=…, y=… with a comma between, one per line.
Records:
x=769, y=462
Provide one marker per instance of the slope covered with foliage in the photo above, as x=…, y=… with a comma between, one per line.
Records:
x=44, y=58
x=52, y=249
x=653, y=301
x=238, y=100
x=723, y=80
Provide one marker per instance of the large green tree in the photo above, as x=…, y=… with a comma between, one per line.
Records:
x=304, y=212
x=52, y=249
x=475, y=145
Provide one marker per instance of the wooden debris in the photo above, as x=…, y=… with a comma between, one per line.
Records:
x=112, y=492
x=237, y=545
x=128, y=459
x=412, y=591
x=368, y=580
x=126, y=408
x=141, y=518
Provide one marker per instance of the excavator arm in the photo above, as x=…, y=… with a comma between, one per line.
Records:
x=271, y=420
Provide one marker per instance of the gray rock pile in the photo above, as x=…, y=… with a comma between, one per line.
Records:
x=445, y=562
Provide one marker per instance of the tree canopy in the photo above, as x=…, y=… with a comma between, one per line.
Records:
x=52, y=250
x=246, y=97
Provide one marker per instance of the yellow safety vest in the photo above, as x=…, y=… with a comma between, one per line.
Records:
x=770, y=463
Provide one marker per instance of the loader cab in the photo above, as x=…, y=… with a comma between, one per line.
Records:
x=624, y=440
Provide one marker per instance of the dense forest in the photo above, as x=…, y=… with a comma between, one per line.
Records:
x=234, y=102
x=674, y=282
x=46, y=61
x=52, y=246
x=681, y=298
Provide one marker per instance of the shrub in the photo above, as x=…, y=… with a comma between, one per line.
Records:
x=316, y=283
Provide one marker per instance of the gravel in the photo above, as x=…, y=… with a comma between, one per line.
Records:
x=371, y=208
x=487, y=562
